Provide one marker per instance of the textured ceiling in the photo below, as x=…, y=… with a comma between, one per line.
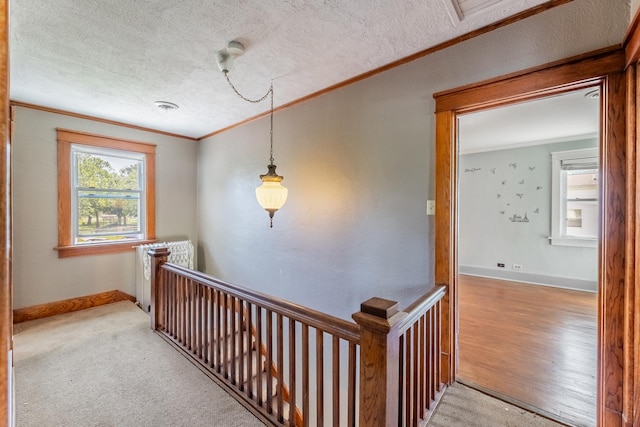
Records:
x=113, y=58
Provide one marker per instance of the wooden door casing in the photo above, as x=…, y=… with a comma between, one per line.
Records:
x=604, y=68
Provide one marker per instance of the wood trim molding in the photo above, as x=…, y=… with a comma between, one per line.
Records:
x=6, y=287
x=95, y=140
x=445, y=238
x=65, y=138
x=69, y=305
x=612, y=263
x=96, y=119
x=568, y=74
x=631, y=41
x=480, y=31
x=631, y=383
x=97, y=249
x=604, y=69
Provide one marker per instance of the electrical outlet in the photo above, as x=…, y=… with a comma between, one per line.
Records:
x=501, y=265
x=517, y=266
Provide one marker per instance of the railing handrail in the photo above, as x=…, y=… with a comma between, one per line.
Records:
x=325, y=322
x=419, y=307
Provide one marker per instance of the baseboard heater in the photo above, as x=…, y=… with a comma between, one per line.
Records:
x=182, y=253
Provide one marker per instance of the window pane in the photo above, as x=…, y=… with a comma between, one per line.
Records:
x=582, y=184
x=582, y=219
x=582, y=203
x=103, y=171
x=104, y=216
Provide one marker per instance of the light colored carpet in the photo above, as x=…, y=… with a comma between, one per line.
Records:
x=104, y=367
x=465, y=407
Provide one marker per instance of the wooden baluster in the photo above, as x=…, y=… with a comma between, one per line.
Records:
x=252, y=354
x=193, y=292
x=416, y=379
x=183, y=309
x=169, y=289
x=401, y=379
x=232, y=337
x=189, y=317
x=422, y=403
x=379, y=360
x=320, y=377
x=407, y=378
x=202, y=292
x=260, y=364
x=437, y=336
x=432, y=359
x=269, y=361
x=351, y=421
x=199, y=319
x=158, y=256
x=202, y=316
x=174, y=304
x=184, y=298
x=280, y=367
x=217, y=315
x=292, y=372
x=225, y=335
x=209, y=326
x=305, y=375
x=178, y=329
x=241, y=342
x=335, y=365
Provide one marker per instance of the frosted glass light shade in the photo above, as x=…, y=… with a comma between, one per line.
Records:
x=272, y=196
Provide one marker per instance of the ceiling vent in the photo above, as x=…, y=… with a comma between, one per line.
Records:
x=459, y=10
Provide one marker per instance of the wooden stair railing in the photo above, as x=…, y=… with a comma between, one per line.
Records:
x=271, y=353
x=288, y=364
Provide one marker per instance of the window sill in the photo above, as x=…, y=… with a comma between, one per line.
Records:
x=583, y=242
x=99, y=249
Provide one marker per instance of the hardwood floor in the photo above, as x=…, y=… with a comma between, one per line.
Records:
x=535, y=345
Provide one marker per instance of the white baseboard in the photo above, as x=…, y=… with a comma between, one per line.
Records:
x=532, y=278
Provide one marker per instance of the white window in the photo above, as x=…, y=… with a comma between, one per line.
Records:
x=108, y=195
x=574, y=203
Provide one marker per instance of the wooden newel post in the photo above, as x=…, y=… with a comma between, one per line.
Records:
x=379, y=362
x=158, y=257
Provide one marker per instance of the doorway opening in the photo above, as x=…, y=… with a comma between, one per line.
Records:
x=527, y=272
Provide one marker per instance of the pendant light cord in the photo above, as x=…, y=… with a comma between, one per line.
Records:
x=255, y=101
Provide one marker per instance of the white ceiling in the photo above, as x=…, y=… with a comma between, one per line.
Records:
x=552, y=119
x=113, y=58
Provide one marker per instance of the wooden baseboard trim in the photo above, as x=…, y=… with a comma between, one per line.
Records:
x=66, y=306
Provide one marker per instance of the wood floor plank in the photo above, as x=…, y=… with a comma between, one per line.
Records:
x=535, y=344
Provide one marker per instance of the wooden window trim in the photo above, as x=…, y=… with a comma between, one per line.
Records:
x=65, y=138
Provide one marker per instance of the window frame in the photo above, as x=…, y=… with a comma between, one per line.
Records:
x=558, y=199
x=65, y=139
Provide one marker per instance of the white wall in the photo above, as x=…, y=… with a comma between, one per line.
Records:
x=39, y=276
x=359, y=165
x=489, y=185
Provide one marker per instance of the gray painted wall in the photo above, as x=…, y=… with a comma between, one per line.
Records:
x=489, y=187
x=39, y=276
x=359, y=165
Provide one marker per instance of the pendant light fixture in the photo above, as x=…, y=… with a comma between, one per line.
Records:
x=271, y=195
